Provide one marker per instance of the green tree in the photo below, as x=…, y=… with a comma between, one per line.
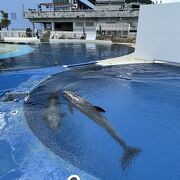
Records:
x=4, y=22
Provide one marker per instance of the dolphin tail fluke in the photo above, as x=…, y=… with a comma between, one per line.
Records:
x=129, y=154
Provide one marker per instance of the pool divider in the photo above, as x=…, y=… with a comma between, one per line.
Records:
x=80, y=64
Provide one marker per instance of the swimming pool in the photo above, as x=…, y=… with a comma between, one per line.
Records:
x=141, y=102
x=49, y=55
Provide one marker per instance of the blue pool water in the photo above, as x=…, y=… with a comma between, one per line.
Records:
x=142, y=103
x=49, y=55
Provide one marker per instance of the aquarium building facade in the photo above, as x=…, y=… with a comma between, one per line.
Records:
x=111, y=17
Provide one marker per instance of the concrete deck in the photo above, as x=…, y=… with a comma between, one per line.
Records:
x=128, y=59
x=23, y=40
x=34, y=40
x=79, y=41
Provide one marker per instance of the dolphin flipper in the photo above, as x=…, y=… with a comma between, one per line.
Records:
x=129, y=154
x=70, y=107
x=100, y=109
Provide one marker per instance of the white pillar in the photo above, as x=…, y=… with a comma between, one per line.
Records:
x=52, y=26
x=33, y=25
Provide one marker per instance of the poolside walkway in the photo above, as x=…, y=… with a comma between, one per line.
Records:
x=128, y=59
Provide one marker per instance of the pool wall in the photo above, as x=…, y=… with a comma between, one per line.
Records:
x=25, y=40
x=79, y=41
x=158, y=32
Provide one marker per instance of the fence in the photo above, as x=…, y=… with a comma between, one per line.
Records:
x=12, y=33
x=65, y=35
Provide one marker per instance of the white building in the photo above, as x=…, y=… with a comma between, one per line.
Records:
x=158, y=32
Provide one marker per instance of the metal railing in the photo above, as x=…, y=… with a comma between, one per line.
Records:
x=11, y=33
x=65, y=35
x=80, y=14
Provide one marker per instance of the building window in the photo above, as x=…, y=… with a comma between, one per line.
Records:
x=104, y=32
x=114, y=33
x=13, y=16
x=89, y=23
x=79, y=24
x=125, y=33
x=108, y=33
x=120, y=33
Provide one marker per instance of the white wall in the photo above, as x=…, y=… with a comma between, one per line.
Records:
x=158, y=36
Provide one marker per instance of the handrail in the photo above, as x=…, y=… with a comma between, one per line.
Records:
x=85, y=10
x=84, y=14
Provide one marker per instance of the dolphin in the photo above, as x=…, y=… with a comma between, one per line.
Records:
x=94, y=113
x=53, y=111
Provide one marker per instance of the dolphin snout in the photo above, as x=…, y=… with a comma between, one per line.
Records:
x=65, y=93
x=70, y=95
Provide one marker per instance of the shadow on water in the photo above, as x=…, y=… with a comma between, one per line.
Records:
x=53, y=114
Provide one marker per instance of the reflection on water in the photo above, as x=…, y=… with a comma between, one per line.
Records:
x=48, y=55
x=53, y=112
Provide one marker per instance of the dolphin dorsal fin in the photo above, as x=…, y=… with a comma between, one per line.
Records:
x=99, y=109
